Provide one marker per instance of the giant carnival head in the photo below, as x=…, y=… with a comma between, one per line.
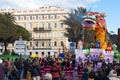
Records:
x=94, y=20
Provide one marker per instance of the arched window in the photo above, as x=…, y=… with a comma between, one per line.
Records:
x=43, y=53
x=62, y=43
x=49, y=44
x=37, y=43
x=48, y=53
x=42, y=44
x=55, y=43
x=30, y=43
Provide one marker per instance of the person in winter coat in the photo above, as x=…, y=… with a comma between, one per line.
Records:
x=113, y=75
x=13, y=72
x=101, y=75
x=19, y=66
x=55, y=71
x=80, y=70
x=35, y=70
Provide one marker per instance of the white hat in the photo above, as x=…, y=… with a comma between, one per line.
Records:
x=48, y=76
x=112, y=73
x=1, y=61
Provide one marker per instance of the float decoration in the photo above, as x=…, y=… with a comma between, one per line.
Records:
x=96, y=21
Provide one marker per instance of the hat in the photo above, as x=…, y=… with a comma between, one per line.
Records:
x=112, y=73
x=1, y=61
x=48, y=76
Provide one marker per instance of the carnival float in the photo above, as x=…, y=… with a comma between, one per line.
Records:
x=104, y=48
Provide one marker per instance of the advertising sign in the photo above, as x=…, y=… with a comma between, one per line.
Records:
x=20, y=47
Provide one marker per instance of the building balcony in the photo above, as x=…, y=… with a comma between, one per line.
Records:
x=43, y=38
x=42, y=48
x=41, y=29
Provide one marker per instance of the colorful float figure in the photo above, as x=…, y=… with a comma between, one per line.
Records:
x=96, y=21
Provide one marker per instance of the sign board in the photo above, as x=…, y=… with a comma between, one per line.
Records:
x=20, y=47
x=80, y=54
x=95, y=51
x=107, y=55
x=72, y=48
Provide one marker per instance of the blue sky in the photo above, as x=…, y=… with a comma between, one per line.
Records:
x=110, y=7
x=112, y=11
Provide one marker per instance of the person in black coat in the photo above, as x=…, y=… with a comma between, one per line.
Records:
x=26, y=67
x=35, y=70
x=101, y=75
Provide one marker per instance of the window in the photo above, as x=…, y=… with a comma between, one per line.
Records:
x=31, y=35
x=36, y=36
x=55, y=34
x=48, y=16
x=49, y=25
x=37, y=43
x=61, y=34
x=21, y=17
x=30, y=25
x=62, y=43
x=55, y=16
x=27, y=17
x=42, y=44
x=45, y=17
x=33, y=17
x=30, y=17
x=42, y=35
x=61, y=25
x=24, y=25
x=42, y=53
x=49, y=44
x=42, y=16
x=51, y=17
x=24, y=17
x=30, y=53
x=48, y=53
x=18, y=18
x=30, y=43
x=55, y=43
x=55, y=25
x=48, y=35
x=42, y=24
x=36, y=53
x=36, y=17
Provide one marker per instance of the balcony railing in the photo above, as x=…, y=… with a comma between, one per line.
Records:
x=43, y=38
x=41, y=29
x=45, y=48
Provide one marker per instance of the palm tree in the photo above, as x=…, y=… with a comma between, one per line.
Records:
x=75, y=30
x=10, y=16
x=7, y=30
x=74, y=22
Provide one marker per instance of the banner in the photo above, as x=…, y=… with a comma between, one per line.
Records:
x=80, y=55
x=109, y=56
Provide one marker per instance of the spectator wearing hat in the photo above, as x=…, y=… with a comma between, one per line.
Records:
x=48, y=76
x=113, y=75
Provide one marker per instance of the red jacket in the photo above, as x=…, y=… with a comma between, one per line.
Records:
x=55, y=71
